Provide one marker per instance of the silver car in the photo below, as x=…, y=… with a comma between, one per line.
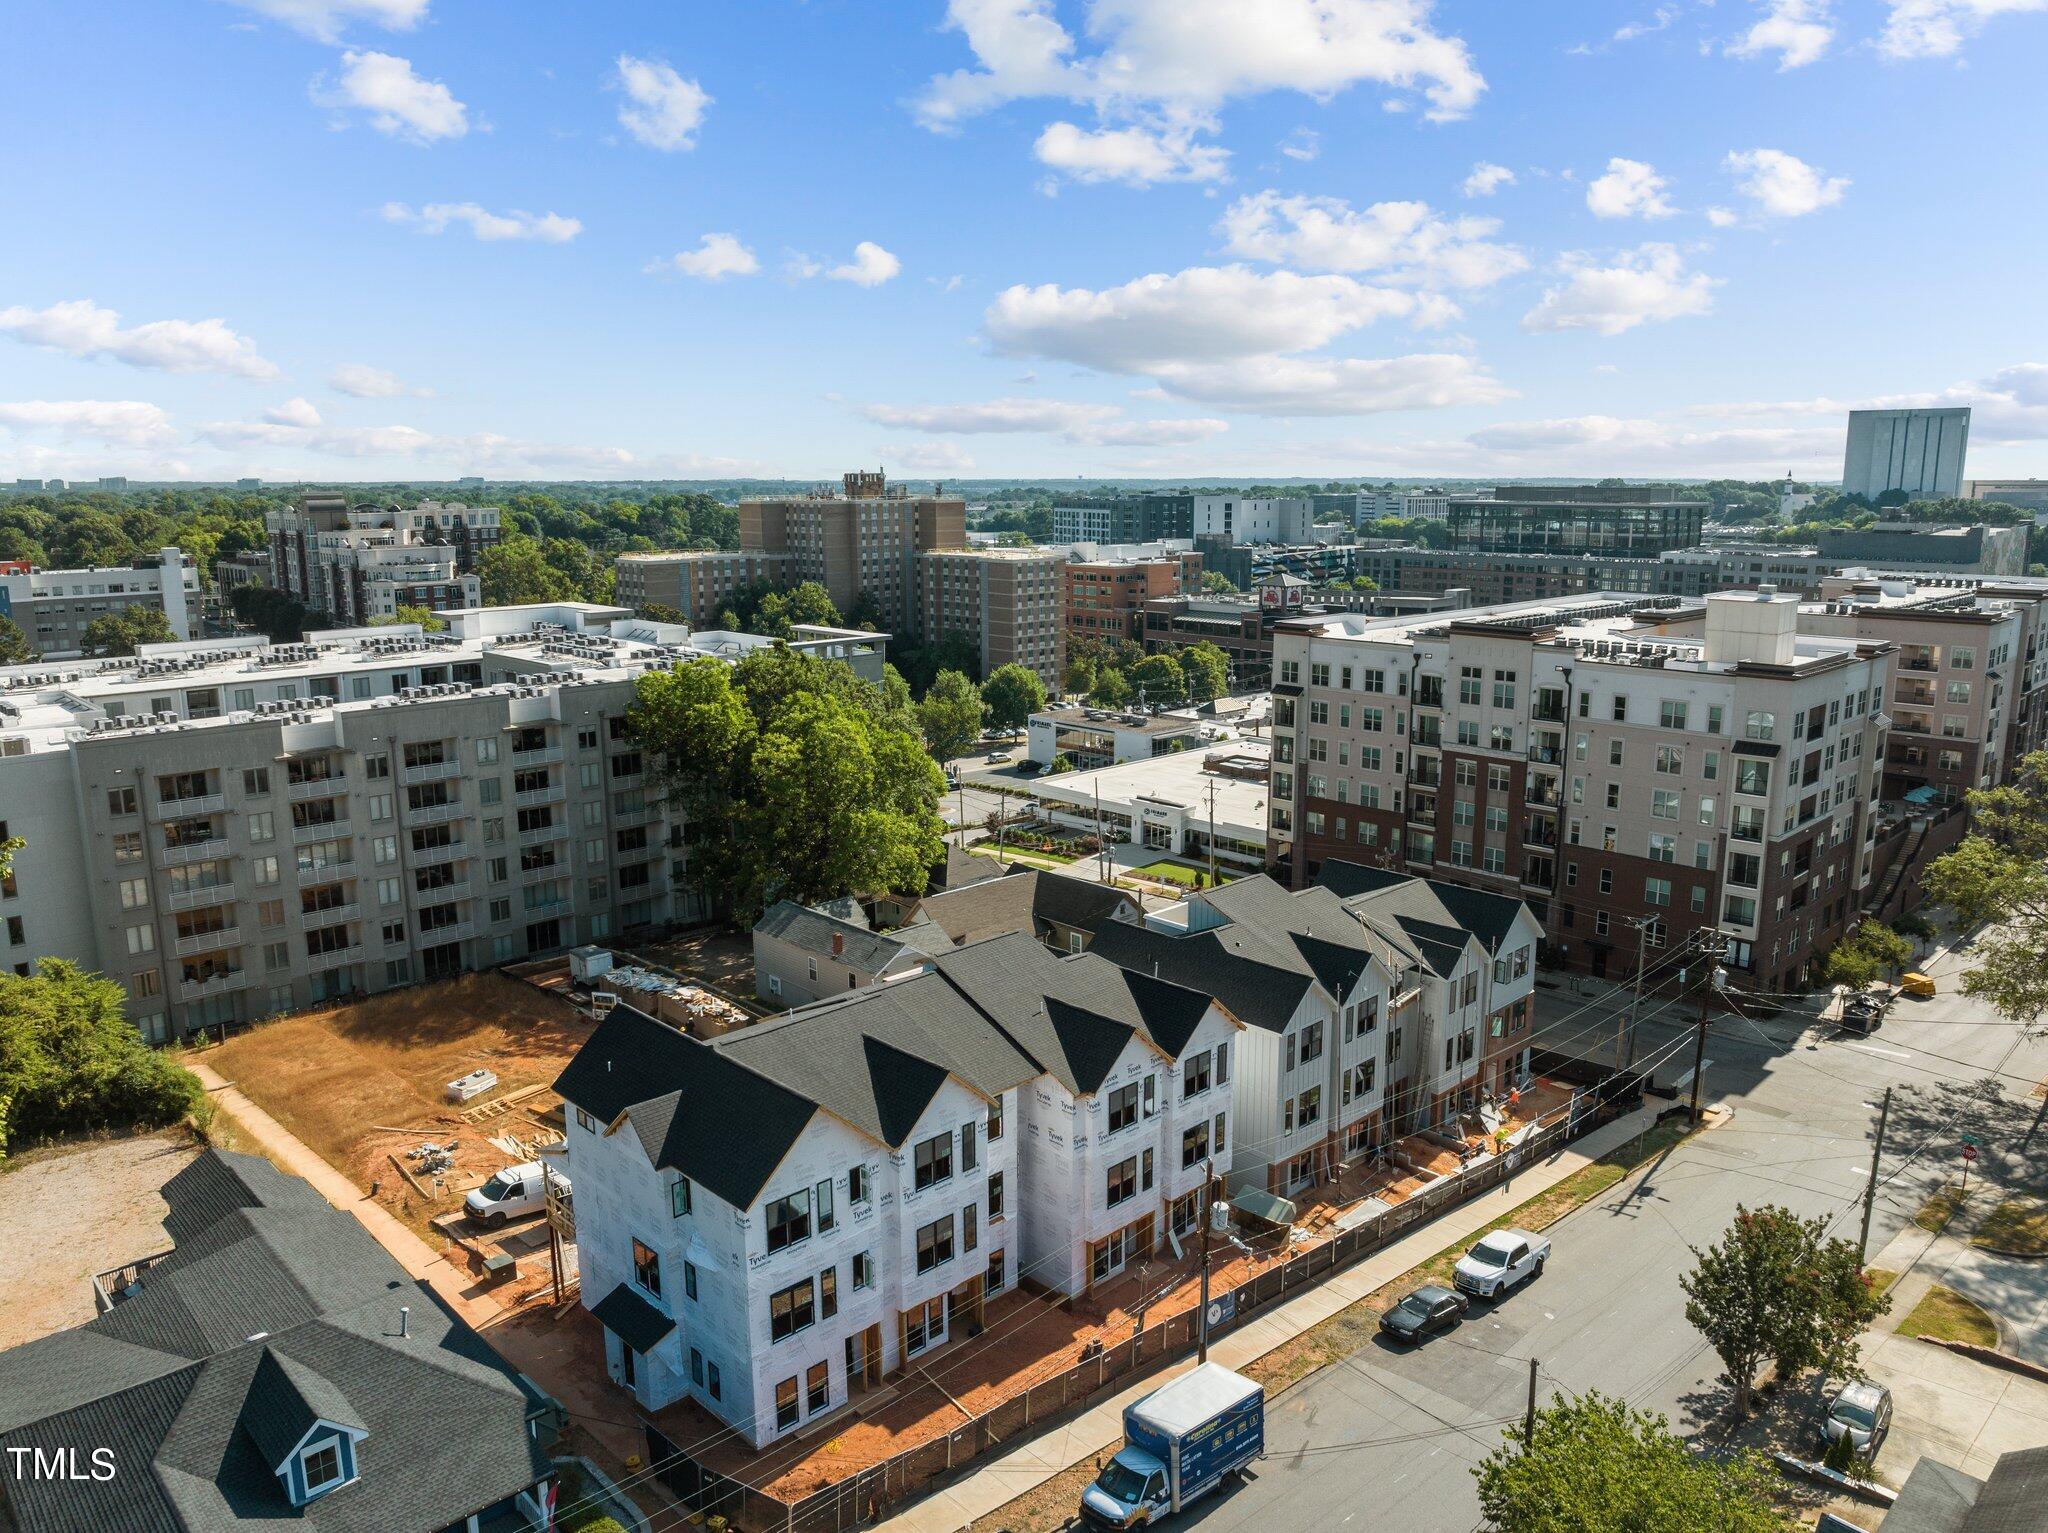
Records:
x=1861, y=1412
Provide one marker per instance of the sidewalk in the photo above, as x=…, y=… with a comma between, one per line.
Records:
x=1032, y=1463
x=419, y=1259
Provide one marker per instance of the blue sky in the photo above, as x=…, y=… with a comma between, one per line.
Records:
x=420, y=238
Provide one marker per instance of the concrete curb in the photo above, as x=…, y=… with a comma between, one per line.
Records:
x=1819, y=1474
x=1991, y=1357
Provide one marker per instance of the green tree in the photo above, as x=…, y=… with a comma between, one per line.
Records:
x=1110, y=689
x=70, y=1062
x=1081, y=675
x=428, y=620
x=1998, y=878
x=1777, y=1289
x=282, y=619
x=778, y=612
x=126, y=631
x=1207, y=670
x=1158, y=679
x=14, y=646
x=1061, y=763
x=1598, y=1466
x=1217, y=583
x=1012, y=694
x=516, y=572
x=951, y=715
x=1872, y=951
x=792, y=781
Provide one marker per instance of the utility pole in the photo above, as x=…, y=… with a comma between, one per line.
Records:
x=1212, y=835
x=1870, y=1191
x=1711, y=953
x=1002, y=804
x=1529, y=1418
x=1101, y=845
x=1202, y=1313
x=1627, y=1034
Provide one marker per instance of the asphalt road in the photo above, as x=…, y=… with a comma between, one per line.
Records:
x=1387, y=1438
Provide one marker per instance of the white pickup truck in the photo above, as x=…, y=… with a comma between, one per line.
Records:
x=1501, y=1262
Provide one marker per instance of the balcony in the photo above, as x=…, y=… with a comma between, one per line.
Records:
x=208, y=942
x=1911, y=662
x=190, y=808
x=456, y=888
x=330, y=915
x=193, y=851
x=542, y=909
x=647, y=808
x=1540, y=833
x=1912, y=696
x=317, y=787
x=1547, y=755
x=1543, y=795
x=199, y=899
x=540, y=755
x=1548, y=713
x=553, y=793
x=430, y=771
x=543, y=835
x=323, y=830
x=432, y=856
x=220, y=982
x=436, y=814
x=354, y=952
x=452, y=931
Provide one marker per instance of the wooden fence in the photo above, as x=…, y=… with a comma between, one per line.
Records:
x=867, y=1496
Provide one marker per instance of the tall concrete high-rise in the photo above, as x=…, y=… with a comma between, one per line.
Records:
x=1918, y=451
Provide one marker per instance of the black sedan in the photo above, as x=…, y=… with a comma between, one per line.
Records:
x=1423, y=1313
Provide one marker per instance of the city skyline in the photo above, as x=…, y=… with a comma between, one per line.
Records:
x=1012, y=239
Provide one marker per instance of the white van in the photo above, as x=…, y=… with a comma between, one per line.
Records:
x=512, y=1193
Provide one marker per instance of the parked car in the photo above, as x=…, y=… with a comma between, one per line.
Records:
x=1863, y=1413
x=512, y=1193
x=1501, y=1262
x=1179, y=1443
x=996, y=756
x=1917, y=984
x=1029, y=768
x=1424, y=1312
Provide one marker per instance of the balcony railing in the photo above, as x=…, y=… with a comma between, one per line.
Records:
x=317, y=787
x=436, y=814
x=187, y=808
x=199, y=899
x=1917, y=663
x=430, y=771
x=352, y=953
x=430, y=856
x=1546, y=755
x=193, y=851
x=553, y=793
x=453, y=931
x=543, y=834
x=456, y=888
x=325, y=830
x=220, y=982
x=540, y=755
x=330, y=915
x=208, y=942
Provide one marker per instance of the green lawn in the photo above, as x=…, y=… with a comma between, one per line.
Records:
x=1013, y=854
x=2019, y=1225
x=1936, y=1212
x=1182, y=873
x=1946, y=1315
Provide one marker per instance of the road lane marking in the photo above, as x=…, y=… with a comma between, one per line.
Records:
x=1871, y=1048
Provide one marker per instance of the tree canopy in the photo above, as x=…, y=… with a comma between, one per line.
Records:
x=1012, y=694
x=1596, y=1465
x=71, y=1063
x=126, y=631
x=1872, y=951
x=14, y=646
x=951, y=715
x=796, y=779
x=1998, y=878
x=428, y=620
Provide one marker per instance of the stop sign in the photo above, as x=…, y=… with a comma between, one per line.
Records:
x=1969, y=1152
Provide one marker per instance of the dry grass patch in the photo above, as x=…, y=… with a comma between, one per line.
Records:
x=1945, y=1315
x=2018, y=1225
x=1940, y=1208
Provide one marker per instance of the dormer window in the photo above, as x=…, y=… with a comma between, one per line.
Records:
x=322, y=1468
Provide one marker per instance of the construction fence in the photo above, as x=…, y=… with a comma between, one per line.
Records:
x=867, y=1496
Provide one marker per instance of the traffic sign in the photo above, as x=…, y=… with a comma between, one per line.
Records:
x=1972, y=1140
x=1969, y=1152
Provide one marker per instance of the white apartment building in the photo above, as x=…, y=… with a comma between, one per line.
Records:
x=1266, y=519
x=233, y=829
x=357, y=563
x=771, y=1223
x=53, y=608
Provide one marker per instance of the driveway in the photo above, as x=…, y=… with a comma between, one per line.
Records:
x=1952, y=1408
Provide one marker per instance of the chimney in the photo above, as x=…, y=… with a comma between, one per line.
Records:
x=838, y=944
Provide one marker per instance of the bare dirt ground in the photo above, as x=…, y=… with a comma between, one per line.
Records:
x=73, y=1211
x=721, y=959
x=360, y=1083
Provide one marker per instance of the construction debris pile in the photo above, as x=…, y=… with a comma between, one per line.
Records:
x=691, y=1008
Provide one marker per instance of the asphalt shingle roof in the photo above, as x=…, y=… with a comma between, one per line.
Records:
x=1488, y=916
x=1260, y=985
x=813, y=931
x=632, y=1319
x=196, y=1409
x=1028, y=900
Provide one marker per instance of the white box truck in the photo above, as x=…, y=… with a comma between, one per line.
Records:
x=1179, y=1443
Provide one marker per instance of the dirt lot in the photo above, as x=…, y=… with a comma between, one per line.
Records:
x=362, y=1082
x=74, y=1211
x=711, y=955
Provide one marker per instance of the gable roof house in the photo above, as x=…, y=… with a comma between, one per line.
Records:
x=1313, y=987
x=803, y=954
x=1060, y=910
x=772, y=1221
x=276, y=1365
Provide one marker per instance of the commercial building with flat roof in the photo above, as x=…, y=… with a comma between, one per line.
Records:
x=1641, y=521
x=1143, y=517
x=1104, y=599
x=1919, y=452
x=53, y=608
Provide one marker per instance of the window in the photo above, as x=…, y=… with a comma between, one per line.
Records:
x=255, y=780
x=1223, y=1063
x=1195, y=1074
x=689, y=1280
x=322, y=1466
x=824, y=1205
x=817, y=1388
x=679, y=1197
x=134, y=893
x=120, y=801
x=1194, y=1146
x=1663, y=803
x=711, y=1379
x=789, y=1220
x=791, y=1309
x=1670, y=760
x=995, y=1120
x=1312, y=1042
x=1663, y=848
x=995, y=1196
x=1757, y=725
x=1671, y=715
x=997, y=1277
x=858, y=1187
x=933, y=1161
x=863, y=1270
x=1123, y=1108
x=969, y=1232
x=969, y=1149
x=646, y=1267
x=1123, y=1180
x=1656, y=891
x=924, y=1326
x=935, y=1244
x=1311, y=1107
x=785, y=1404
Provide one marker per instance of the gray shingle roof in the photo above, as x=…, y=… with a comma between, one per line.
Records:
x=1260, y=985
x=813, y=931
x=1027, y=900
x=1488, y=916
x=194, y=1409
x=632, y=1319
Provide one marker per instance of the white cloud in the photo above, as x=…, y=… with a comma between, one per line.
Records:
x=123, y=422
x=1783, y=185
x=716, y=257
x=1290, y=386
x=2010, y=405
x=1089, y=424
x=296, y=428
x=1302, y=144
x=1660, y=18
x=1648, y=283
x=1611, y=444
x=1486, y=179
x=398, y=101
x=293, y=412
x=323, y=20
x=1797, y=31
x=1630, y=189
x=1934, y=29
x=1134, y=156
x=1722, y=218
x=361, y=381
x=662, y=109
x=1202, y=314
x=1406, y=242
x=927, y=457
x=436, y=217
x=871, y=266
x=84, y=329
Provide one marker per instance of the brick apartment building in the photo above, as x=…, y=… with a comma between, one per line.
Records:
x=1104, y=599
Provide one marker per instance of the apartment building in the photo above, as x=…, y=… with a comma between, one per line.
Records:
x=1104, y=599
x=1631, y=785
x=699, y=584
x=774, y=1222
x=233, y=829
x=1919, y=452
x=1234, y=518
x=859, y=542
x=1579, y=519
x=360, y=563
x=1007, y=601
x=53, y=608
x=1136, y=518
